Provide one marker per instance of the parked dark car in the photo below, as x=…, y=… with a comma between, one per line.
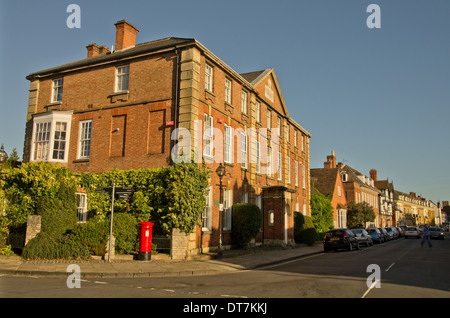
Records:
x=363, y=236
x=376, y=234
x=340, y=239
x=436, y=232
x=386, y=236
x=400, y=231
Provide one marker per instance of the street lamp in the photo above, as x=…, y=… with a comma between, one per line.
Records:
x=220, y=171
x=3, y=158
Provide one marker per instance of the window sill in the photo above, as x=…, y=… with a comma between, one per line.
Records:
x=81, y=160
x=119, y=96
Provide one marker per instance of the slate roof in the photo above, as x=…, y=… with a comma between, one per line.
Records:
x=254, y=77
x=324, y=180
x=111, y=56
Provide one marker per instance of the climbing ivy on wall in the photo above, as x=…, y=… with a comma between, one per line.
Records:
x=171, y=197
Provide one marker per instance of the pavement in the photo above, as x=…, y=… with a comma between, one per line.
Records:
x=232, y=261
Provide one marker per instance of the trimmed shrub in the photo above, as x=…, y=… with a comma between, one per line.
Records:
x=126, y=233
x=304, y=229
x=247, y=220
x=44, y=246
x=93, y=235
x=59, y=214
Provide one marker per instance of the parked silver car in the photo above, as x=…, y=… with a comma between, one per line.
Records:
x=412, y=231
x=363, y=236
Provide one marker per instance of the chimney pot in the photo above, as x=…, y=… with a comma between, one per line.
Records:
x=92, y=50
x=125, y=35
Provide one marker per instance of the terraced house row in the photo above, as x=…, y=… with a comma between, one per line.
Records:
x=125, y=109
x=344, y=184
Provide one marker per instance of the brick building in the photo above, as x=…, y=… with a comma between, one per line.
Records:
x=328, y=181
x=126, y=109
x=357, y=187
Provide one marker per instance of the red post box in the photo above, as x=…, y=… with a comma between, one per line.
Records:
x=145, y=244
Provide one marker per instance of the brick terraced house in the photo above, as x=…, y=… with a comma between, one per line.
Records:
x=119, y=109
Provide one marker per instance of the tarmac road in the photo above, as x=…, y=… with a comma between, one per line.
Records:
x=406, y=270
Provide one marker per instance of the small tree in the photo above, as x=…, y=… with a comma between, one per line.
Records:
x=321, y=212
x=358, y=214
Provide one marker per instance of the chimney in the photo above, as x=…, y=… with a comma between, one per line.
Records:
x=92, y=50
x=331, y=161
x=103, y=50
x=374, y=174
x=125, y=35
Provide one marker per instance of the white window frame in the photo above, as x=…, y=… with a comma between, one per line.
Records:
x=258, y=111
x=209, y=77
x=287, y=133
x=303, y=177
x=85, y=139
x=244, y=101
x=57, y=90
x=228, y=88
x=59, y=140
x=243, y=150
x=288, y=162
x=208, y=136
x=295, y=137
x=42, y=147
x=207, y=211
x=228, y=144
x=258, y=157
x=122, y=78
x=269, y=161
x=280, y=166
x=82, y=207
x=269, y=119
x=244, y=197
x=227, y=209
x=296, y=172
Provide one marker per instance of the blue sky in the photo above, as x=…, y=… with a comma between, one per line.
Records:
x=380, y=98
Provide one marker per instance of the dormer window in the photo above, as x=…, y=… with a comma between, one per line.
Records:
x=344, y=177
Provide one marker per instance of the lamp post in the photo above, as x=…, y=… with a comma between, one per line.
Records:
x=220, y=171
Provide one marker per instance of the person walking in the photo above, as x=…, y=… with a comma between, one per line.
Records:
x=426, y=236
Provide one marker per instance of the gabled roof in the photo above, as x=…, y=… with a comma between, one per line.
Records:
x=324, y=179
x=255, y=77
x=353, y=176
x=384, y=184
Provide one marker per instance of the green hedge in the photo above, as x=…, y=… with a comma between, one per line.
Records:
x=246, y=223
x=304, y=229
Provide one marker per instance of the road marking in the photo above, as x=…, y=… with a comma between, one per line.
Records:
x=97, y=282
x=390, y=266
x=233, y=296
x=370, y=288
